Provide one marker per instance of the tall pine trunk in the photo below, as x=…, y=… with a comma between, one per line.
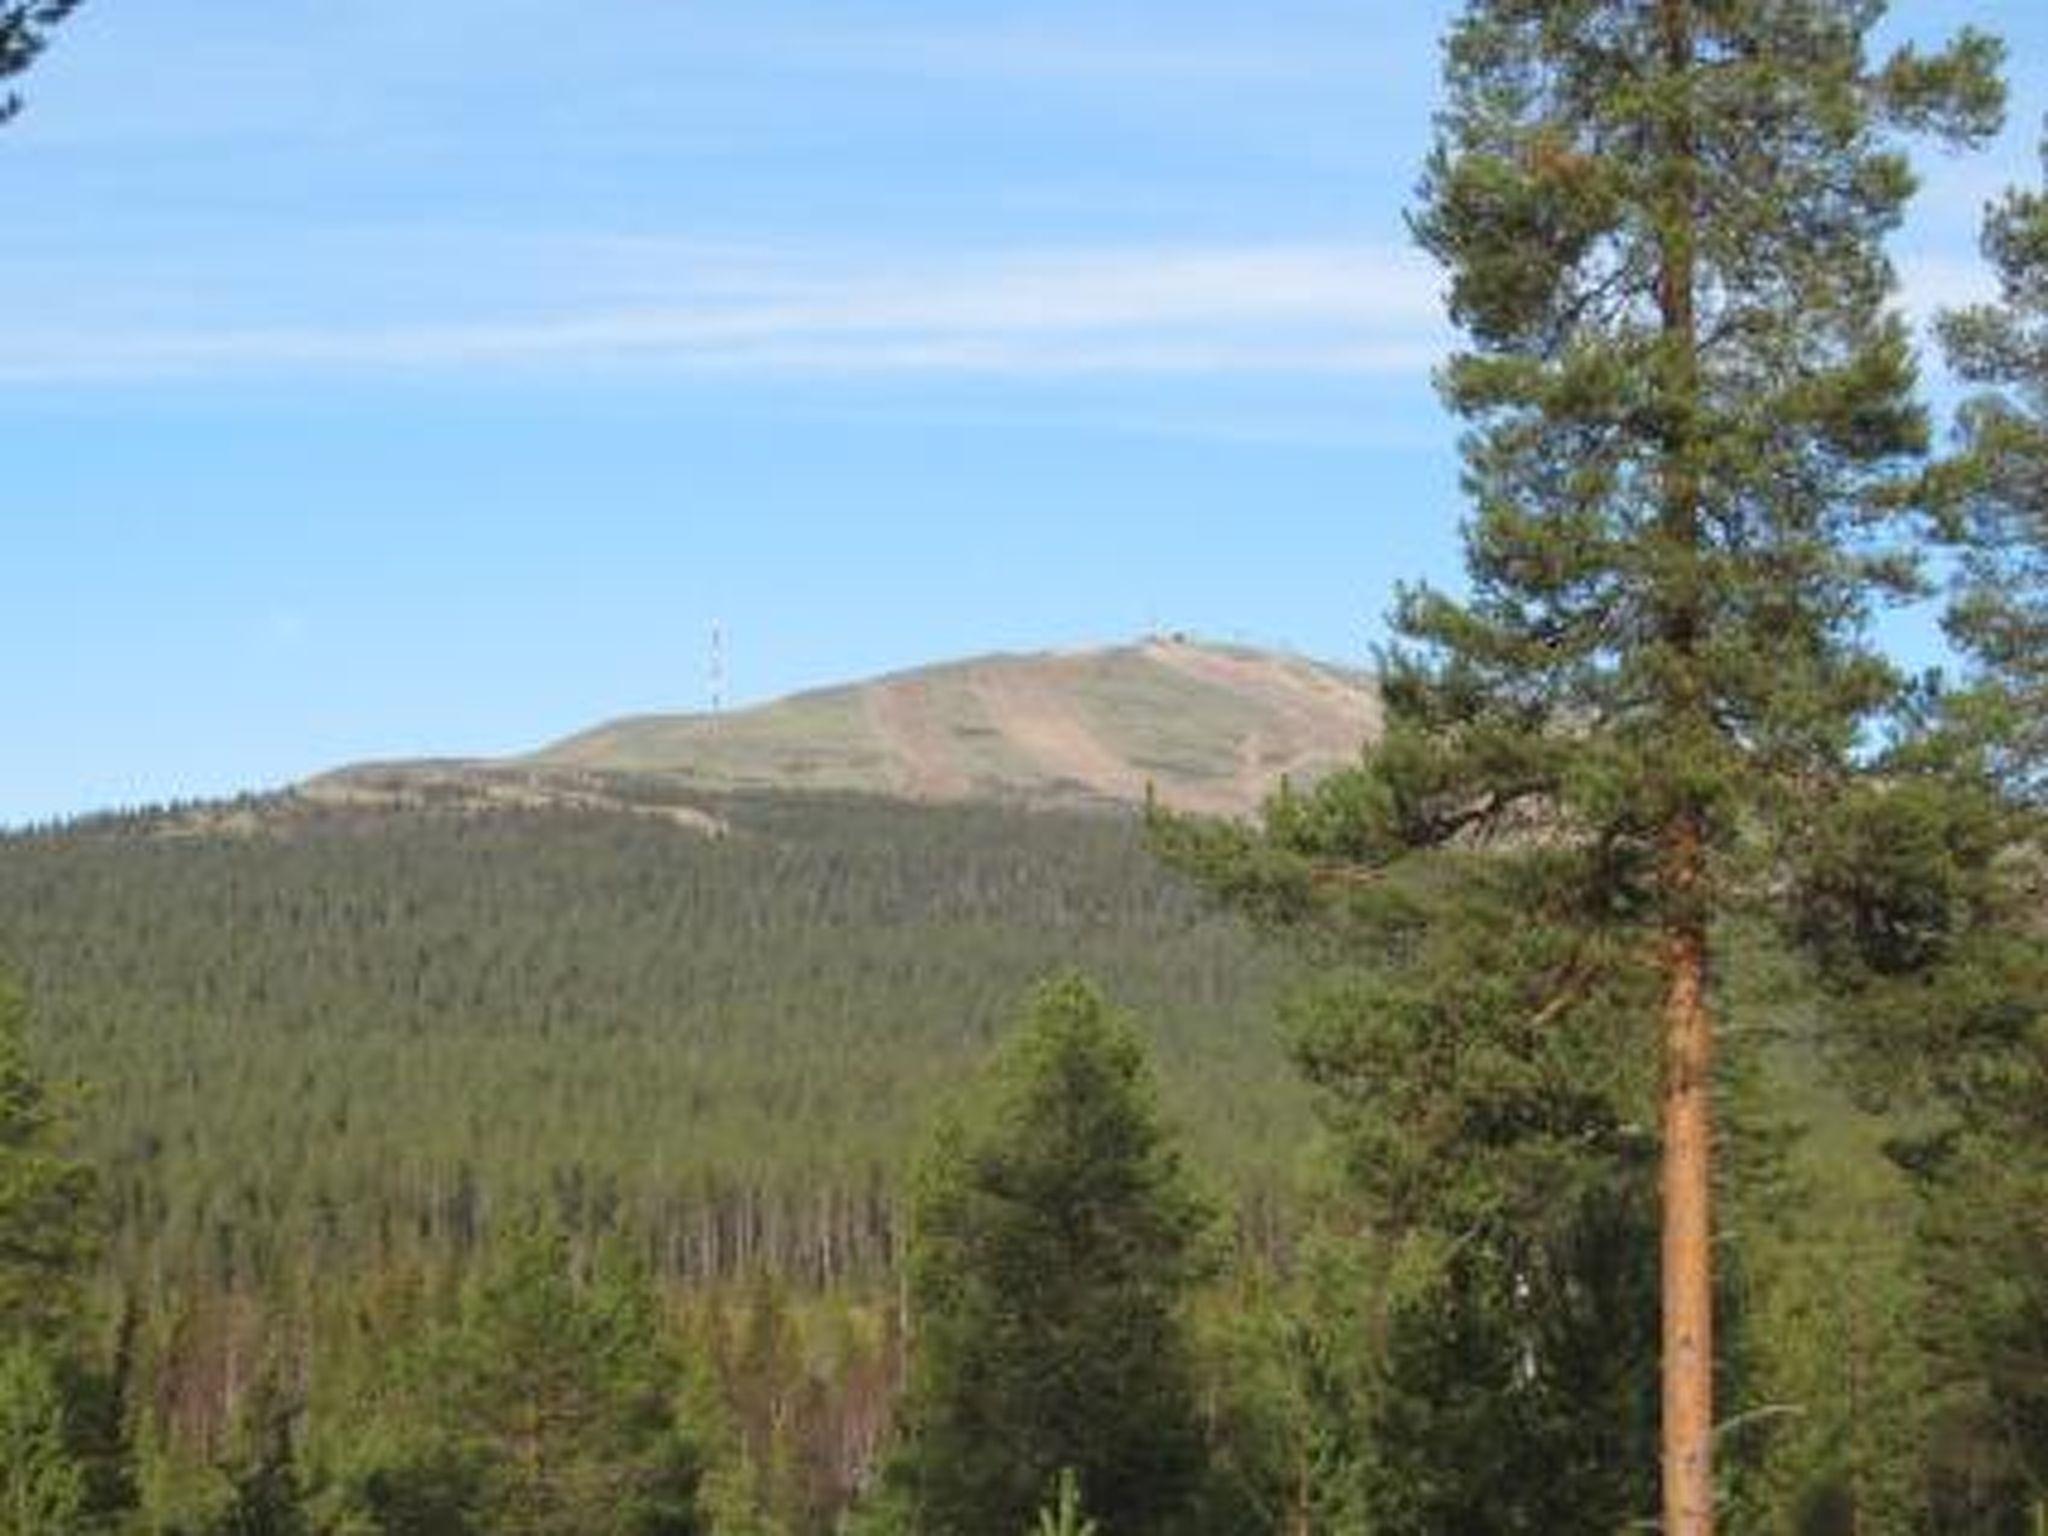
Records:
x=1688, y=1286
x=1687, y=1250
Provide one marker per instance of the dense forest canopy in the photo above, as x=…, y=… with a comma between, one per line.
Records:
x=352, y=1034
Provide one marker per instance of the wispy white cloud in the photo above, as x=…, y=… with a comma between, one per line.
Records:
x=1069, y=54
x=1281, y=309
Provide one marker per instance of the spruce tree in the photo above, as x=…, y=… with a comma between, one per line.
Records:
x=24, y=32
x=46, y=1232
x=1691, y=440
x=1054, y=1238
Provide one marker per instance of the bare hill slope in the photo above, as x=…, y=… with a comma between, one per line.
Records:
x=1212, y=728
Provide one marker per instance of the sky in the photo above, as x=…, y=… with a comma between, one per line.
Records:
x=382, y=378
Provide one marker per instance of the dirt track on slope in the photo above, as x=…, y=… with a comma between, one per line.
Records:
x=1042, y=725
x=1322, y=720
x=920, y=759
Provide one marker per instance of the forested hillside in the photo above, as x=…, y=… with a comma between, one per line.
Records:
x=349, y=1034
x=330, y=1058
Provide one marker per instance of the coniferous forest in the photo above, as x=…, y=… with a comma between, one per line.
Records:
x=1618, y=1102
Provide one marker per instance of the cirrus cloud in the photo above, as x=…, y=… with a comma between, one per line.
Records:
x=1260, y=309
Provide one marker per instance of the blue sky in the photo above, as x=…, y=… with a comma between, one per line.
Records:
x=384, y=377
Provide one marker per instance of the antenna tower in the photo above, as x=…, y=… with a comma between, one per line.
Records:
x=717, y=668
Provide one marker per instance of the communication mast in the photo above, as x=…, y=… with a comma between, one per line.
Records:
x=717, y=668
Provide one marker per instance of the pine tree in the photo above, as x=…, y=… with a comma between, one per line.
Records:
x=1692, y=410
x=1937, y=910
x=24, y=32
x=549, y=1409
x=1054, y=1238
x=1998, y=487
x=1923, y=899
x=1692, y=431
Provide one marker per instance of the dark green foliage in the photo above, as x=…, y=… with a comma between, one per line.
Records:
x=1998, y=490
x=362, y=1038
x=1455, y=1097
x=46, y=1197
x=328, y=1057
x=548, y=1409
x=1986, y=1224
x=1263, y=1380
x=1921, y=897
x=43, y=1484
x=1986, y=1238
x=25, y=27
x=1513, y=1391
x=1683, y=514
x=1489, y=1094
x=1936, y=964
x=98, y=1401
x=63, y=1453
x=1691, y=461
x=45, y=1240
x=416, y=1490
x=1055, y=1239
x=1478, y=1041
x=1923, y=901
